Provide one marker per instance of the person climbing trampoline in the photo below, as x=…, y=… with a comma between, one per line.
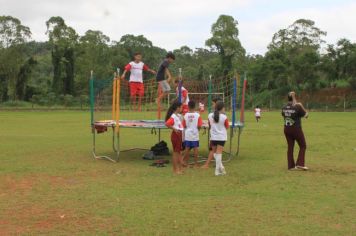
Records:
x=292, y=113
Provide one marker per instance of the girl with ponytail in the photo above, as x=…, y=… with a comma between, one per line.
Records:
x=218, y=124
x=174, y=122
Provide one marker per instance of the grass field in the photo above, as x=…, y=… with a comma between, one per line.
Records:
x=49, y=183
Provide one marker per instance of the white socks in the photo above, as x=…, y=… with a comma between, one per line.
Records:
x=219, y=168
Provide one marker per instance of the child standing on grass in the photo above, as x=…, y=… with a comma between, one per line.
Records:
x=219, y=124
x=174, y=122
x=258, y=113
x=192, y=122
x=211, y=153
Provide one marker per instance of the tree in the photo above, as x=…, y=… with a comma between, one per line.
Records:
x=13, y=35
x=63, y=40
x=225, y=41
x=302, y=33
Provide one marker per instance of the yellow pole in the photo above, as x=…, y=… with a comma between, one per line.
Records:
x=113, y=97
x=118, y=88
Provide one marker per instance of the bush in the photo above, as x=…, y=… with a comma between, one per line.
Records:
x=341, y=83
x=352, y=83
x=15, y=103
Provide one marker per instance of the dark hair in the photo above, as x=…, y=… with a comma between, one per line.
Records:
x=170, y=55
x=218, y=107
x=137, y=53
x=191, y=104
x=216, y=99
x=175, y=105
x=257, y=106
x=290, y=98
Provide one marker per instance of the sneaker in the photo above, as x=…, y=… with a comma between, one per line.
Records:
x=293, y=168
x=222, y=171
x=217, y=172
x=302, y=167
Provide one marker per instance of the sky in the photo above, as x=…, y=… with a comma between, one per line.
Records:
x=172, y=24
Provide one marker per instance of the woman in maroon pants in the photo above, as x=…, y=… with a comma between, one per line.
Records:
x=292, y=113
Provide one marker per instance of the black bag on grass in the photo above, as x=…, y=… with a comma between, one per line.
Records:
x=160, y=149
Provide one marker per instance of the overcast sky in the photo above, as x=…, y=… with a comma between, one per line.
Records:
x=173, y=23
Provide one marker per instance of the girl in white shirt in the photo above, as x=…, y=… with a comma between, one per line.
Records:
x=219, y=124
x=174, y=122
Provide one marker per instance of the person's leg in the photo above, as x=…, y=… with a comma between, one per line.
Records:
x=210, y=158
x=290, y=141
x=141, y=93
x=196, y=157
x=220, y=150
x=302, y=147
x=186, y=155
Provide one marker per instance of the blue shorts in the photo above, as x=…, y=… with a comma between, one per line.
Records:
x=191, y=144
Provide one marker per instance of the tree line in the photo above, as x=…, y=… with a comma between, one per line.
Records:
x=57, y=71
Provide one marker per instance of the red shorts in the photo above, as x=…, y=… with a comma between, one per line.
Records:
x=137, y=88
x=177, y=141
x=185, y=109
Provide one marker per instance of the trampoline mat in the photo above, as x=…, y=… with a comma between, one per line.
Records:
x=148, y=124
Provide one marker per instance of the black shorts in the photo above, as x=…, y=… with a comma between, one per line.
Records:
x=216, y=143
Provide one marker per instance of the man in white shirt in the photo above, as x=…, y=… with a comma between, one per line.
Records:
x=136, y=67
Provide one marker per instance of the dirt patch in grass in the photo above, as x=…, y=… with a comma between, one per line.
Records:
x=40, y=219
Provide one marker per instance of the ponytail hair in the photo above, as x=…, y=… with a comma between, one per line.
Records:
x=175, y=105
x=218, y=108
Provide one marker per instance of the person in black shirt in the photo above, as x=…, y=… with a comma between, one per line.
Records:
x=292, y=114
x=161, y=76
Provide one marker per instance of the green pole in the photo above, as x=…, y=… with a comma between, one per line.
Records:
x=209, y=95
x=91, y=95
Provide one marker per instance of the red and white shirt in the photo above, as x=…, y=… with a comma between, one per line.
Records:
x=218, y=130
x=136, y=71
x=184, y=95
x=175, y=121
x=191, y=123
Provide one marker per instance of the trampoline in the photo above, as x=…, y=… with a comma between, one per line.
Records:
x=155, y=126
x=114, y=123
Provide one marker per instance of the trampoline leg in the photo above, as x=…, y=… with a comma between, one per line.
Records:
x=95, y=156
x=159, y=135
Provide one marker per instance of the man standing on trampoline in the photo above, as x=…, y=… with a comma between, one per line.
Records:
x=161, y=76
x=136, y=67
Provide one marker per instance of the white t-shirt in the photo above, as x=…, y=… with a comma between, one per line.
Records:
x=136, y=71
x=191, y=122
x=175, y=121
x=184, y=95
x=218, y=131
x=257, y=112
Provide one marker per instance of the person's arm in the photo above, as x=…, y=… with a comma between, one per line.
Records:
x=146, y=68
x=170, y=124
x=303, y=111
x=200, y=122
x=127, y=68
x=226, y=123
x=169, y=75
x=184, y=96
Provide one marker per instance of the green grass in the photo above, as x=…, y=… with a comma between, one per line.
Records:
x=49, y=183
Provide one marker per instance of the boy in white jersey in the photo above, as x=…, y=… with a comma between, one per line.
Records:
x=136, y=67
x=192, y=122
x=219, y=124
